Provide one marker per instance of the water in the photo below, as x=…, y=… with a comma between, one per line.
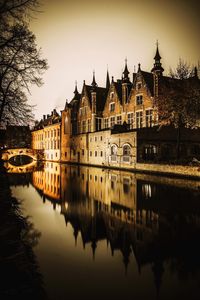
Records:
x=113, y=234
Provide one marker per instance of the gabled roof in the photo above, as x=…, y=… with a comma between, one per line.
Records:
x=100, y=98
x=148, y=78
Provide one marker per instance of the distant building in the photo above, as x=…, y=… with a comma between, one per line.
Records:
x=46, y=136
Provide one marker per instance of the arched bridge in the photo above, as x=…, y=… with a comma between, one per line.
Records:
x=34, y=154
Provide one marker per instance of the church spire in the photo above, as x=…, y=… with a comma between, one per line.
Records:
x=157, y=68
x=107, y=80
x=76, y=90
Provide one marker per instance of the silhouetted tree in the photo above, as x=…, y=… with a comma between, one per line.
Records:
x=21, y=64
x=178, y=101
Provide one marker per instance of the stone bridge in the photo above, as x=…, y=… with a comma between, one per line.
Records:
x=34, y=154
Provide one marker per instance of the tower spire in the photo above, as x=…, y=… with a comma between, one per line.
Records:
x=157, y=68
x=94, y=84
x=126, y=72
x=107, y=79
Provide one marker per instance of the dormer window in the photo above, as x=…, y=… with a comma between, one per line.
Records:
x=139, y=85
x=112, y=106
x=139, y=100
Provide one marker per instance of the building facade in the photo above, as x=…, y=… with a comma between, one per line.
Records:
x=46, y=137
x=102, y=125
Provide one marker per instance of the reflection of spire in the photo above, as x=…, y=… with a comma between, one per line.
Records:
x=75, y=235
x=94, y=246
x=158, y=271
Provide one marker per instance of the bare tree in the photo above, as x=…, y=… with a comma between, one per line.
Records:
x=178, y=102
x=21, y=64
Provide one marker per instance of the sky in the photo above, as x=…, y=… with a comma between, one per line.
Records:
x=78, y=37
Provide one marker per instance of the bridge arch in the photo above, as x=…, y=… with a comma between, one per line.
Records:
x=9, y=153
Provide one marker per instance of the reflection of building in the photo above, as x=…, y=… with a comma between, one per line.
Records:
x=136, y=214
x=47, y=181
x=46, y=136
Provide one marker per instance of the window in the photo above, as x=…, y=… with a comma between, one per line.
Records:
x=113, y=153
x=112, y=121
x=89, y=125
x=139, y=85
x=119, y=120
x=139, y=100
x=130, y=119
x=149, y=152
x=84, y=126
x=126, y=153
x=106, y=123
x=111, y=95
x=101, y=153
x=139, y=116
x=95, y=138
x=101, y=138
x=98, y=124
x=90, y=153
x=149, y=118
x=82, y=151
x=112, y=106
x=95, y=153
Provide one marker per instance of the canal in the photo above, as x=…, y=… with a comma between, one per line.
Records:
x=110, y=234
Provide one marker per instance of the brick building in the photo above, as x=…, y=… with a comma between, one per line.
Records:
x=104, y=125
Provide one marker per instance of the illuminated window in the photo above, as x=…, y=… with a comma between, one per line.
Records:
x=112, y=106
x=112, y=121
x=139, y=119
x=113, y=153
x=106, y=123
x=119, y=120
x=130, y=119
x=149, y=118
x=126, y=153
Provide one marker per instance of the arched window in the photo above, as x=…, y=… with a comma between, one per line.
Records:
x=113, y=153
x=66, y=125
x=126, y=153
x=149, y=152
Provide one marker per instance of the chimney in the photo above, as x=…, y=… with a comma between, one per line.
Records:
x=44, y=117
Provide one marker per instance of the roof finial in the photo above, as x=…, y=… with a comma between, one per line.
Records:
x=139, y=67
x=94, y=81
x=126, y=72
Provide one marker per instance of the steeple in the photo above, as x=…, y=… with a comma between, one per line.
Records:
x=94, y=84
x=157, y=69
x=107, y=80
x=76, y=90
x=126, y=72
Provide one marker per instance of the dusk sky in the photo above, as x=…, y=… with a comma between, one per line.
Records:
x=79, y=36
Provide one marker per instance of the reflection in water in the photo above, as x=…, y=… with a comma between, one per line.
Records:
x=154, y=220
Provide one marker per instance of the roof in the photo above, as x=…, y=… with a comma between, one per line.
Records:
x=101, y=96
x=148, y=78
x=48, y=120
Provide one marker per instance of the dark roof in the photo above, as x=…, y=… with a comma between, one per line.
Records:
x=148, y=78
x=48, y=120
x=101, y=96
